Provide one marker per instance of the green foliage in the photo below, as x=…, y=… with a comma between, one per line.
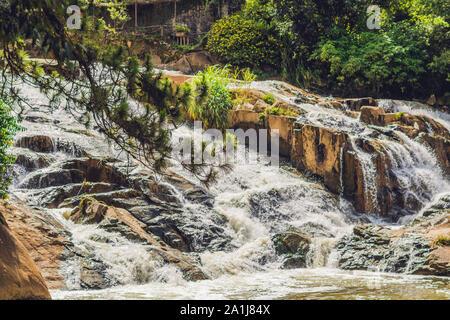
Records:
x=182, y=28
x=8, y=128
x=212, y=101
x=399, y=116
x=371, y=63
x=247, y=38
x=230, y=139
x=96, y=79
x=442, y=241
x=277, y=111
x=269, y=99
x=330, y=48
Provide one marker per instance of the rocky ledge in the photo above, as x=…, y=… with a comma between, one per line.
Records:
x=420, y=247
x=358, y=150
x=160, y=213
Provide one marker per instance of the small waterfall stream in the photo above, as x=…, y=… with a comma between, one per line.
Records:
x=257, y=202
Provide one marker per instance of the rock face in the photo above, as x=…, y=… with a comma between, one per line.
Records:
x=414, y=248
x=293, y=246
x=90, y=211
x=20, y=278
x=319, y=151
x=122, y=199
x=40, y=236
x=361, y=161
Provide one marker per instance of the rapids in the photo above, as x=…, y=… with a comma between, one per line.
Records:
x=257, y=201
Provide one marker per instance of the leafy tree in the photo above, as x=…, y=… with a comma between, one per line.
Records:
x=95, y=80
x=391, y=63
x=248, y=38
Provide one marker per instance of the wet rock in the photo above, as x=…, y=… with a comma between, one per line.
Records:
x=284, y=127
x=122, y=198
x=181, y=231
x=319, y=151
x=370, y=115
x=369, y=249
x=121, y=221
x=96, y=169
x=32, y=161
x=293, y=246
x=410, y=249
x=357, y=103
x=20, y=278
x=36, y=143
x=53, y=197
x=440, y=147
x=189, y=190
x=46, y=144
x=51, y=178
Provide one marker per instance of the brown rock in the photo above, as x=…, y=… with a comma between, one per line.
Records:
x=432, y=100
x=357, y=103
x=45, y=245
x=370, y=115
x=285, y=126
x=192, y=62
x=441, y=148
x=318, y=150
x=244, y=119
x=36, y=143
x=20, y=278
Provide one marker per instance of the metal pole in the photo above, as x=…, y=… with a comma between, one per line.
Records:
x=175, y=14
x=135, y=16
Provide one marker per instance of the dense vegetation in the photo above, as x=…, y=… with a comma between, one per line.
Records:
x=247, y=38
x=8, y=128
x=327, y=45
x=84, y=56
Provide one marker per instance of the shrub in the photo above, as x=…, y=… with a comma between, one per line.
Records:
x=391, y=62
x=182, y=28
x=442, y=241
x=8, y=128
x=243, y=41
x=269, y=99
x=212, y=101
x=277, y=111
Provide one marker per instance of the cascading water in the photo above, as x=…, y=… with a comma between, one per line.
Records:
x=256, y=201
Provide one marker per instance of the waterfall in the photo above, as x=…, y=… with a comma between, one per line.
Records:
x=252, y=203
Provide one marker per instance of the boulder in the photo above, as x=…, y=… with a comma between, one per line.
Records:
x=440, y=147
x=20, y=278
x=113, y=219
x=32, y=160
x=192, y=62
x=46, y=144
x=370, y=115
x=413, y=248
x=356, y=103
x=56, y=177
x=319, y=150
x=293, y=246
